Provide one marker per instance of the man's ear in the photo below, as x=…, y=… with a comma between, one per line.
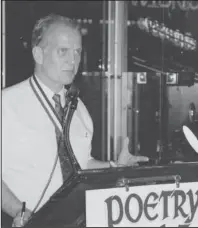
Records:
x=37, y=53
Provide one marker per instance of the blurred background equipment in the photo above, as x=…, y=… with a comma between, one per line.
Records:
x=144, y=85
x=191, y=138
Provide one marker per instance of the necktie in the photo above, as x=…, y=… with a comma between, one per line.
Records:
x=58, y=107
x=62, y=152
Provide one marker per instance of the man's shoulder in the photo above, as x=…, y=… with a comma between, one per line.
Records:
x=81, y=104
x=16, y=97
x=16, y=90
x=85, y=114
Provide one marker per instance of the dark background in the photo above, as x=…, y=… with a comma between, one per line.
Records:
x=21, y=16
x=157, y=52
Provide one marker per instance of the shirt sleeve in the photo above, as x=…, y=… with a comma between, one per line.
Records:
x=5, y=138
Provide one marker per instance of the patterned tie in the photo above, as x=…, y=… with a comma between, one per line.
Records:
x=58, y=107
x=62, y=152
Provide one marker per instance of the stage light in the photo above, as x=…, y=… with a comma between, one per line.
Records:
x=84, y=31
x=184, y=41
x=162, y=31
x=155, y=29
x=171, y=78
x=180, y=78
x=141, y=78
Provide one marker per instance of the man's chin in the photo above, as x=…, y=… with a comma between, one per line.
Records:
x=68, y=78
x=68, y=82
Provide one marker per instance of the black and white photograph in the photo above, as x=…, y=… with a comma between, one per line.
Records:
x=99, y=114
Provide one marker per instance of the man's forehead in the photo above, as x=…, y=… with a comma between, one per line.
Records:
x=63, y=34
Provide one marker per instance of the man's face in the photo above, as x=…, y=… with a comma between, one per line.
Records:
x=61, y=54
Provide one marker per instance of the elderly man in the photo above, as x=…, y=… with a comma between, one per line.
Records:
x=29, y=136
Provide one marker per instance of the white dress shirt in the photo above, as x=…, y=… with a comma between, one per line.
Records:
x=29, y=144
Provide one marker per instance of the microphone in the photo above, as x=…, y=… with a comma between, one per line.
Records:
x=71, y=96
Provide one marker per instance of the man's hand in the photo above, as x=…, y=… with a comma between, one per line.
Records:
x=127, y=159
x=18, y=221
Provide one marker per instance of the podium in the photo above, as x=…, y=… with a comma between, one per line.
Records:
x=68, y=207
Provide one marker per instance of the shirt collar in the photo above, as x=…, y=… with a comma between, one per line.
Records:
x=49, y=93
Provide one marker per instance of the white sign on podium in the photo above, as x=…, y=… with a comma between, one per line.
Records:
x=162, y=205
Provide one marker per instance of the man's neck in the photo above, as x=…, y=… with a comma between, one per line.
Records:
x=52, y=85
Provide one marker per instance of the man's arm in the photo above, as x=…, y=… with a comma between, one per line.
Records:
x=124, y=159
x=10, y=203
x=12, y=206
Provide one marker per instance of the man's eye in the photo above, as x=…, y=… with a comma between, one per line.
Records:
x=62, y=51
x=78, y=51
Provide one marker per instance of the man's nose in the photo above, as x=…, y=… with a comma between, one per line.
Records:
x=70, y=57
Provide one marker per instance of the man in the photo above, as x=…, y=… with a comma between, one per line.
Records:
x=29, y=143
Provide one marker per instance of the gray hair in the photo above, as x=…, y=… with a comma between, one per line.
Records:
x=44, y=23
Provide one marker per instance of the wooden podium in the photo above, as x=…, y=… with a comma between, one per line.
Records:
x=68, y=206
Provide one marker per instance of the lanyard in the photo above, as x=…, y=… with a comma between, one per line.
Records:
x=44, y=101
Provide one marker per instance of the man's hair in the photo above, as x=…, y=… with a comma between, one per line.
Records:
x=44, y=23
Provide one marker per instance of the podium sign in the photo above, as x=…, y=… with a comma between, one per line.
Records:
x=153, y=205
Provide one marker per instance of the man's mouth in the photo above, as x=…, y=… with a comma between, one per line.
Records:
x=68, y=70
